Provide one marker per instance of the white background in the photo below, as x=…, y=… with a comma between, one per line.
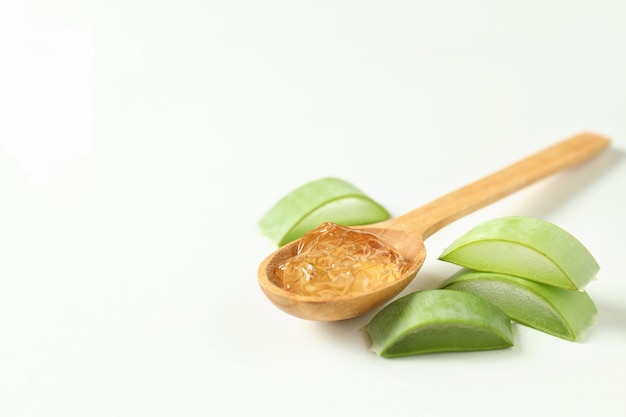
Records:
x=141, y=142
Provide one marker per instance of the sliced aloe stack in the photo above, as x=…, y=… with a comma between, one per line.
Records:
x=563, y=313
x=324, y=200
x=432, y=321
x=525, y=247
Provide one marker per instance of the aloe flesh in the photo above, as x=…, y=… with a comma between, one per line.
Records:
x=563, y=313
x=525, y=247
x=324, y=200
x=440, y=320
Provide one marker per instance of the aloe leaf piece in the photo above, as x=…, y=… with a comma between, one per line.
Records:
x=525, y=247
x=563, y=313
x=440, y=320
x=324, y=200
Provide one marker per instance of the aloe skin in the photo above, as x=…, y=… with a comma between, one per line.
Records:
x=566, y=314
x=441, y=320
x=324, y=200
x=525, y=247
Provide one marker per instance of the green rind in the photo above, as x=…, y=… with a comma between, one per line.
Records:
x=563, y=313
x=433, y=321
x=525, y=247
x=345, y=211
x=325, y=200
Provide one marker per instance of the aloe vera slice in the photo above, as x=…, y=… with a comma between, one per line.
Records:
x=525, y=247
x=324, y=200
x=562, y=313
x=441, y=320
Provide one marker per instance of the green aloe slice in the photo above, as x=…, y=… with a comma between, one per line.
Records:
x=324, y=200
x=525, y=247
x=432, y=321
x=563, y=313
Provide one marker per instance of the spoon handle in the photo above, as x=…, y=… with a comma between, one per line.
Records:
x=430, y=218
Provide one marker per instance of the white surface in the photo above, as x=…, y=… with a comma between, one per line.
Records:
x=140, y=143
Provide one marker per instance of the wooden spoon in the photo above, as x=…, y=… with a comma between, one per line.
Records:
x=406, y=233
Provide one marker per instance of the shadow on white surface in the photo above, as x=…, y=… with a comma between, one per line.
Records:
x=556, y=191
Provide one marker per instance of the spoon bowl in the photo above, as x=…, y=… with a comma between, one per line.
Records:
x=345, y=306
x=406, y=234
